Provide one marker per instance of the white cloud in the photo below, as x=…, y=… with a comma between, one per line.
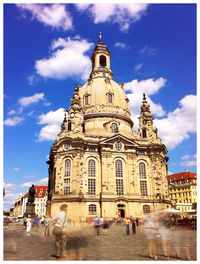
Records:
x=148, y=50
x=121, y=45
x=53, y=119
x=26, y=101
x=16, y=169
x=43, y=181
x=68, y=59
x=55, y=15
x=185, y=157
x=179, y=123
x=10, y=186
x=189, y=163
x=9, y=199
x=122, y=14
x=12, y=112
x=13, y=121
x=138, y=66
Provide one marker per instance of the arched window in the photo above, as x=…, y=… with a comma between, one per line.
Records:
x=86, y=99
x=144, y=133
x=114, y=127
x=118, y=168
x=92, y=209
x=146, y=209
x=142, y=170
x=91, y=168
x=91, y=175
x=119, y=179
x=118, y=145
x=68, y=168
x=110, y=98
x=102, y=61
x=69, y=125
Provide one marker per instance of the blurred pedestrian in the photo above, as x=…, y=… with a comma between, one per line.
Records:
x=165, y=235
x=28, y=226
x=127, y=224
x=60, y=221
x=97, y=224
x=46, y=225
x=151, y=230
x=25, y=221
x=133, y=224
x=105, y=225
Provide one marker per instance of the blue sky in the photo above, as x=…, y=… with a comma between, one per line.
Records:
x=47, y=50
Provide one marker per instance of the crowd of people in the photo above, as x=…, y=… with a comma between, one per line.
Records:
x=73, y=236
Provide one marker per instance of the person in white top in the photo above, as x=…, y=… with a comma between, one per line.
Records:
x=28, y=226
x=60, y=220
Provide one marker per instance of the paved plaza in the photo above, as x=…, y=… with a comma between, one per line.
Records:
x=111, y=245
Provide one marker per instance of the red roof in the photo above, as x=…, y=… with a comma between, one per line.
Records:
x=181, y=176
x=41, y=191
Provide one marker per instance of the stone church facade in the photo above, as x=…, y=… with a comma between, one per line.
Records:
x=98, y=165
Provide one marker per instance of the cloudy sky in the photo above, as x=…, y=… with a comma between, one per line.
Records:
x=47, y=50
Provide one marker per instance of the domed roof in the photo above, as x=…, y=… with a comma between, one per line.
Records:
x=106, y=95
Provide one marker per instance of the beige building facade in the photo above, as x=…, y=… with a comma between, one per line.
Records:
x=98, y=164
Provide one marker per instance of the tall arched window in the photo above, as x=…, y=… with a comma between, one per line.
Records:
x=91, y=168
x=142, y=170
x=144, y=133
x=86, y=99
x=91, y=175
x=119, y=177
x=68, y=167
x=102, y=61
x=110, y=98
x=67, y=176
x=143, y=180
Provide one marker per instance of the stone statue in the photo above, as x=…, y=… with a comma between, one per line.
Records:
x=31, y=194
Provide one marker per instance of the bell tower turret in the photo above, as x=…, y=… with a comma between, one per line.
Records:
x=146, y=121
x=101, y=61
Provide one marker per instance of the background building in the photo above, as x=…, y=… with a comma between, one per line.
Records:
x=98, y=165
x=183, y=190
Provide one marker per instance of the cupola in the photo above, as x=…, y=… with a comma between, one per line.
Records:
x=101, y=60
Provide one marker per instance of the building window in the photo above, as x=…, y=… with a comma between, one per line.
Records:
x=119, y=187
x=86, y=99
x=110, y=98
x=143, y=188
x=118, y=145
x=146, y=209
x=91, y=186
x=102, y=61
x=142, y=170
x=92, y=209
x=91, y=168
x=67, y=186
x=68, y=168
x=144, y=133
x=118, y=168
x=114, y=127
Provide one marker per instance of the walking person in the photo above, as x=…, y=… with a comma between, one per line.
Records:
x=133, y=223
x=60, y=221
x=127, y=224
x=28, y=226
x=46, y=225
x=25, y=221
x=97, y=223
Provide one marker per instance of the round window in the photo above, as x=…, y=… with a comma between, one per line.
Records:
x=66, y=146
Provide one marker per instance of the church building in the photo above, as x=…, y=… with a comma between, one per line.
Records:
x=98, y=164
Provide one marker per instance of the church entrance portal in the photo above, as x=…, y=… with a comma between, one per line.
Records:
x=121, y=210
